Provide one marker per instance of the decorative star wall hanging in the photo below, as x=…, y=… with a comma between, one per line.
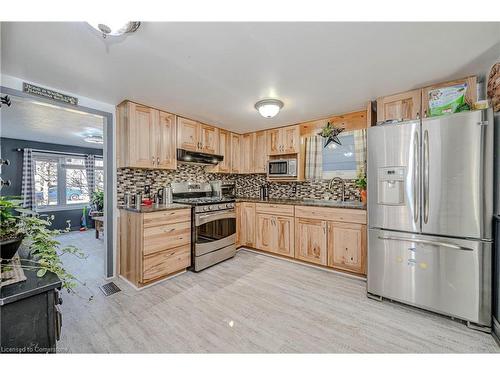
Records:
x=330, y=133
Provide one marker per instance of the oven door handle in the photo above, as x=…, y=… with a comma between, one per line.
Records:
x=201, y=219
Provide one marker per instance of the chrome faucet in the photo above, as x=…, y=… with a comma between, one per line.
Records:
x=337, y=179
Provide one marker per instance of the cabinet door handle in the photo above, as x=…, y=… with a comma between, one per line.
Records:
x=153, y=160
x=158, y=160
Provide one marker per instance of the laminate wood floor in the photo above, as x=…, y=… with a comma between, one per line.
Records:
x=249, y=304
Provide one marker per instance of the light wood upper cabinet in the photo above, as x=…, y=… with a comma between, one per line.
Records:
x=347, y=246
x=283, y=141
x=291, y=139
x=310, y=240
x=225, y=150
x=145, y=137
x=247, y=153
x=235, y=153
x=260, y=152
x=247, y=224
x=166, y=138
x=142, y=133
x=273, y=142
x=402, y=106
x=209, y=139
x=194, y=136
x=188, y=134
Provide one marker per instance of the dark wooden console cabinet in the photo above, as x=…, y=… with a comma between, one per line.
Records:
x=30, y=318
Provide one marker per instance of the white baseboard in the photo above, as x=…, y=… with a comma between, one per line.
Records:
x=361, y=278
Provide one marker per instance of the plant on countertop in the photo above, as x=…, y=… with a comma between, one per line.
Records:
x=44, y=249
x=361, y=182
x=361, y=185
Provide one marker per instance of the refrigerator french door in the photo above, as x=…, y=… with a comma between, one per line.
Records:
x=430, y=207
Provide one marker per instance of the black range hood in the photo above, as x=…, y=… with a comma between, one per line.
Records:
x=198, y=157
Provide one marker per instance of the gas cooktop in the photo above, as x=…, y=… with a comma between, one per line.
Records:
x=200, y=201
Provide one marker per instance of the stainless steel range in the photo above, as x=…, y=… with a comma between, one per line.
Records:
x=213, y=222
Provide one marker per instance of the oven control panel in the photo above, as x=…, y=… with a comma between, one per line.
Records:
x=214, y=207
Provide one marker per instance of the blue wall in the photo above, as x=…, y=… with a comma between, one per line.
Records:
x=14, y=172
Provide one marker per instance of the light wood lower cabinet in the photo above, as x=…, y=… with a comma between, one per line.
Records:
x=284, y=235
x=154, y=245
x=247, y=224
x=275, y=234
x=347, y=246
x=265, y=232
x=332, y=237
x=310, y=240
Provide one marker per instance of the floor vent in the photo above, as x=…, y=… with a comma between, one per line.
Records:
x=109, y=289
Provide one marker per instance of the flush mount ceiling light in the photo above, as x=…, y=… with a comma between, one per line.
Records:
x=115, y=28
x=269, y=107
x=97, y=139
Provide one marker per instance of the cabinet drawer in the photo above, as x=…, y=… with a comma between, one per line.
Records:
x=166, y=262
x=154, y=219
x=332, y=214
x=164, y=237
x=275, y=209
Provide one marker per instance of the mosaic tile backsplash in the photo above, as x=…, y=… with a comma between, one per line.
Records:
x=247, y=186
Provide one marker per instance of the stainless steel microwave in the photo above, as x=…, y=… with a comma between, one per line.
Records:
x=282, y=168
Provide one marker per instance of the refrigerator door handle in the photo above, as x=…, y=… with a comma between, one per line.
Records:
x=416, y=166
x=427, y=242
x=426, y=176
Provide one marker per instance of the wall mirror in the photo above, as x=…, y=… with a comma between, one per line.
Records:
x=346, y=161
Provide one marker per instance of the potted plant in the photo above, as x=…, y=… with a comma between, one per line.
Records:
x=97, y=201
x=361, y=185
x=44, y=250
x=11, y=236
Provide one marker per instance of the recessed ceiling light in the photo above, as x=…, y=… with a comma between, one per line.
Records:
x=269, y=107
x=114, y=28
x=97, y=139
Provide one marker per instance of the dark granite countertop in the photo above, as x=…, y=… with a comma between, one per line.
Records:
x=155, y=208
x=31, y=286
x=307, y=202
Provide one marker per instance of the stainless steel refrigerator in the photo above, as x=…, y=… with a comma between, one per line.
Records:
x=430, y=209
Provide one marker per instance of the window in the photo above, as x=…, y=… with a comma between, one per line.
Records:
x=46, y=177
x=340, y=160
x=61, y=181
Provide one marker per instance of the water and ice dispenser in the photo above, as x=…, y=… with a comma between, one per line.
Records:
x=391, y=186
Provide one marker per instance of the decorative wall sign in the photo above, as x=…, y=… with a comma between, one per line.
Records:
x=49, y=94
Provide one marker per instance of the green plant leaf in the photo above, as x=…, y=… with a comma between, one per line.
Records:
x=41, y=272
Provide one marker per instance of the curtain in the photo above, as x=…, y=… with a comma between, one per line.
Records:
x=90, y=170
x=360, y=151
x=314, y=158
x=28, y=180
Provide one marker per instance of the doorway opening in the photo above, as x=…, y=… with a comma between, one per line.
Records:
x=61, y=166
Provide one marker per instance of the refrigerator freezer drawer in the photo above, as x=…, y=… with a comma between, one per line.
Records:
x=444, y=275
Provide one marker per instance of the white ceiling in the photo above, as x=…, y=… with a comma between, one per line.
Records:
x=34, y=121
x=215, y=72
